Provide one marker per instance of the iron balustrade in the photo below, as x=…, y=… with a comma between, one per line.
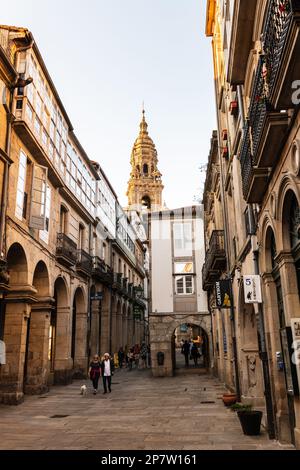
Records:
x=66, y=248
x=246, y=161
x=215, y=259
x=102, y=270
x=84, y=261
x=278, y=21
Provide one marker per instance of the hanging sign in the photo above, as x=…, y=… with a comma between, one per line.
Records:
x=2, y=353
x=223, y=294
x=252, y=289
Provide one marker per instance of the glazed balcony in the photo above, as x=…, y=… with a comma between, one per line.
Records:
x=215, y=259
x=102, y=271
x=84, y=262
x=66, y=250
x=281, y=42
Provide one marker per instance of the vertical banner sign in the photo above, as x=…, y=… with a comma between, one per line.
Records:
x=223, y=294
x=296, y=346
x=252, y=289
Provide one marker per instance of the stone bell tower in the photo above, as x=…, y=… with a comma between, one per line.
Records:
x=145, y=185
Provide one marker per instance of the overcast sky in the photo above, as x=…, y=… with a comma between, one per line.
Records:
x=108, y=56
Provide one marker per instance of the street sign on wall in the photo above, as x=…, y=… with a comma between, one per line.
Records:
x=223, y=294
x=252, y=289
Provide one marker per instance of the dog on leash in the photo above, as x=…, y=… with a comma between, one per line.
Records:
x=83, y=390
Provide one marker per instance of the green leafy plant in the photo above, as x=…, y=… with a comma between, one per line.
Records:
x=241, y=407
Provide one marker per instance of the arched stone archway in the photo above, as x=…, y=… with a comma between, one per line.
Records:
x=79, y=334
x=162, y=328
x=60, y=331
x=37, y=364
x=16, y=325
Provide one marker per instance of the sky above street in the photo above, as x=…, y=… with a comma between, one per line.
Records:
x=108, y=57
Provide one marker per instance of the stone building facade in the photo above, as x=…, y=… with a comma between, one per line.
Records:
x=176, y=237
x=252, y=196
x=62, y=281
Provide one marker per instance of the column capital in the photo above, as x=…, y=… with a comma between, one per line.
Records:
x=45, y=304
x=21, y=294
x=267, y=277
x=284, y=257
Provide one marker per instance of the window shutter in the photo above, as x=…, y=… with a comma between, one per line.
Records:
x=38, y=198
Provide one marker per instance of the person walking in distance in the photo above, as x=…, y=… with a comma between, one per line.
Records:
x=121, y=357
x=195, y=354
x=107, y=369
x=95, y=372
x=186, y=351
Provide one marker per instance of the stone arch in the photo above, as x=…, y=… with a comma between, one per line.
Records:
x=17, y=265
x=41, y=280
x=59, y=344
x=268, y=231
x=290, y=197
x=191, y=319
x=79, y=331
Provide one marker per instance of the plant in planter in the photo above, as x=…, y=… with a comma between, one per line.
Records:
x=229, y=399
x=250, y=419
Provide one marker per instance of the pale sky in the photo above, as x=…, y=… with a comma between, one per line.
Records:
x=108, y=56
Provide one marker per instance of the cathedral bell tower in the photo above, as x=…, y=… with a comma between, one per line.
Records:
x=145, y=185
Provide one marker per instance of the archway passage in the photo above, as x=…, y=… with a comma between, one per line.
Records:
x=190, y=348
x=79, y=334
x=36, y=368
x=15, y=326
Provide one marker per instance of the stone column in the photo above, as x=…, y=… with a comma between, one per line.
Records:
x=105, y=319
x=289, y=285
x=119, y=335
x=129, y=341
x=81, y=360
x=125, y=329
x=38, y=367
x=114, y=329
x=63, y=363
x=277, y=377
x=291, y=302
x=17, y=317
x=95, y=324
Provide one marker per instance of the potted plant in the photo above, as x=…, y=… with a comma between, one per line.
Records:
x=250, y=419
x=229, y=399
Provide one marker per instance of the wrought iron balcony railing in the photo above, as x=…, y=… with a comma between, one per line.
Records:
x=117, y=281
x=215, y=260
x=102, y=271
x=84, y=262
x=66, y=249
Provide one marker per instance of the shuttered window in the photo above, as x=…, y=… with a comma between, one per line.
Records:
x=21, y=186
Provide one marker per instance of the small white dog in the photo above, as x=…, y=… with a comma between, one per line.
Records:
x=83, y=390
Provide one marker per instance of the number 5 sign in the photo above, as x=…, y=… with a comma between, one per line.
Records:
x=252, y=289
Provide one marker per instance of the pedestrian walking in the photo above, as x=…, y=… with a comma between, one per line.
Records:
x=186, y=351
x=195, y=354
x=121, y=357
x=107, y=370
x=130, y=358
x=143, y=356
x=95, y=372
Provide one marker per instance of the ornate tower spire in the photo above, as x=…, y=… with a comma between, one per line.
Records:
x=145, y=185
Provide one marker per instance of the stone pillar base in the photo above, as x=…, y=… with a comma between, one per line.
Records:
x=161, y=371
x=38, y=389
x=297, y=438
x=63, y=377
x=13, y=399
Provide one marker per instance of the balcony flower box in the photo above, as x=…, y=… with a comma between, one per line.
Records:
x=224, y=134
x=234, y=108
x=225, y=152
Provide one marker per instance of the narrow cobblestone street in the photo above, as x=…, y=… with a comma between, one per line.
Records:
x=184, y=412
